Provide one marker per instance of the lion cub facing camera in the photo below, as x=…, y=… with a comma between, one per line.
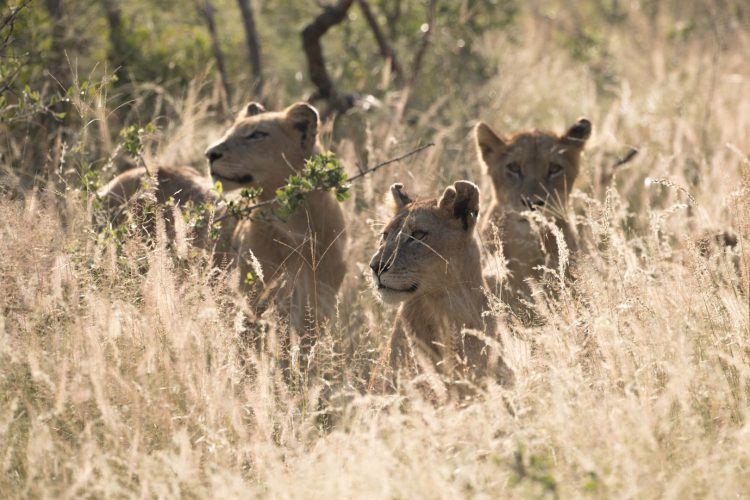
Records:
x=531, y=172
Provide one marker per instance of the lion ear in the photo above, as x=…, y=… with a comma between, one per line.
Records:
x=400, y=198
x=304, y=119
x=461, y=201
x=252, y=109
x=577, y=134
x=489, y=144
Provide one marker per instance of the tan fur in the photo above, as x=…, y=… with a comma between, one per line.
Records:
x=428, y=263
x=179, y=186
x=182, y=184
x=530, y=171
x=302, y=258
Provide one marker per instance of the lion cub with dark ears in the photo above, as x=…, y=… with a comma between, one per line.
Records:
x=531, y=172
x=428, y=263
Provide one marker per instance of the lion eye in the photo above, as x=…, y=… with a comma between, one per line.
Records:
x=257, y=134
x=514, y=168
x=418, y=235
x=384, y=235
x=555, y=169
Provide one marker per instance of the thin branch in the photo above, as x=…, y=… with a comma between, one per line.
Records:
x=8, y=25
x=392, y=160
x=386, y=50
x=10, y=18
x=364, y=172
x=416, y=64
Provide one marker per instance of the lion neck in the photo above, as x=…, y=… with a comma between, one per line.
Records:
x=526, y=249
x=299, y=240
x=458, y=304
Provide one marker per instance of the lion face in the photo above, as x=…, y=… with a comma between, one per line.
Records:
x=262, y=149
x=533, y=170
x=425, y=241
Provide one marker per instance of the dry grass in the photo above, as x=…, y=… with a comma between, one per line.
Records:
x=123, y=371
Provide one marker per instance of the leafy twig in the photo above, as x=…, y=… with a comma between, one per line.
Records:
x=313, y=178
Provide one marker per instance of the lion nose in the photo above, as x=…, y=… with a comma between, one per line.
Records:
x=537, y=203
x=212, y=155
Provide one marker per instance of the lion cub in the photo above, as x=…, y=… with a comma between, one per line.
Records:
x=428, y=263
x=531, y=172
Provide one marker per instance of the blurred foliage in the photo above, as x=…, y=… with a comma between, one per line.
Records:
x=66, y=63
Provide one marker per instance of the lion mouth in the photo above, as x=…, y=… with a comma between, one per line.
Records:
x=411, y=289
x=532, y=204
x=243, y=179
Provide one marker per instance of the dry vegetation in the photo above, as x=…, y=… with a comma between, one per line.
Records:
x=123, y=365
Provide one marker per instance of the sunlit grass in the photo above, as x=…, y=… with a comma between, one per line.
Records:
x=128, y=370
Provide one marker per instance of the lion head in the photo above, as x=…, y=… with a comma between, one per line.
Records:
x=262, y=149
x=427, y=243
x=533, y=170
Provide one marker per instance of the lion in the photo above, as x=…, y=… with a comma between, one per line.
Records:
x=428, y=264
x=179, y=184
x=169, y=187
x=301, y=258
x=298, y=263
x=531, y=172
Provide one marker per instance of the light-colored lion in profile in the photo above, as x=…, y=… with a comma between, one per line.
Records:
x=298, y=263
x=301, y=257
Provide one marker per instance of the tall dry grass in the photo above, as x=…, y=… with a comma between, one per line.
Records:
x=126, y=371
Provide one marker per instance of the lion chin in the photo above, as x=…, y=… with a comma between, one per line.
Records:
x=392, y=296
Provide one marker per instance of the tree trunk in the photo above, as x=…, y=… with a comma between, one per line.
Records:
x=253, y=47
x=392, y=17
x=311, y=35
x=119, y=49
x=416, y=64
x=386, y=50
x=58, y=61
x=207, y=10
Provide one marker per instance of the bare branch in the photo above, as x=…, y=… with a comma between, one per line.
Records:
x=10, y=18
x=253, y=46
x=311, y=35
x=416, y=64
x=386, y=50
x=380, y=165
x=7, y=26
